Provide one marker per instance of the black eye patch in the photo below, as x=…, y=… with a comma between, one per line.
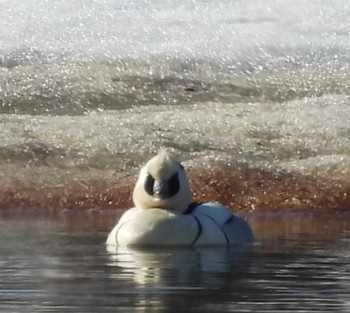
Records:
x=172, y=186
x=149, y=183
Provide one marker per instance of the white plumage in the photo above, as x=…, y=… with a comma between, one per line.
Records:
x=164, y=214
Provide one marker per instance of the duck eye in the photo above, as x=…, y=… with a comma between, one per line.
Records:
x=174, y=185
x=149, y=183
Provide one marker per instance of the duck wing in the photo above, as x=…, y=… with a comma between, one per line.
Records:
x=234, y=228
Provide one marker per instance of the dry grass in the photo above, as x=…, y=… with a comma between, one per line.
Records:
x=248, y=189
x=239, y=187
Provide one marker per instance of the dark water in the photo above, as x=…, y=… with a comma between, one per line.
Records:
x=59, y=265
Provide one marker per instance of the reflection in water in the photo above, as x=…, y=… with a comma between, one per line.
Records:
x=50, y=266
x=177, y=279
x=151, y=266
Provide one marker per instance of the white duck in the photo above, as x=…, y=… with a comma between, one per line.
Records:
x=164, y=214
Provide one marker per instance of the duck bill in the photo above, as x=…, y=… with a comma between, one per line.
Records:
x=160, y=189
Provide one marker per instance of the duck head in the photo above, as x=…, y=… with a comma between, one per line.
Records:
x=162, y=183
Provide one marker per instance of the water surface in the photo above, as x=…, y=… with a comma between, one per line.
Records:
x=59, y=265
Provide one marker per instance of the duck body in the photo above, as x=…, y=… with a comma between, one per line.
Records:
x=165, y=214
x=201, y=225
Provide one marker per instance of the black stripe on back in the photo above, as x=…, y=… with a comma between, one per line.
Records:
x=229, y=220
x=199, y=231
x=192, y=207
x=226, y=238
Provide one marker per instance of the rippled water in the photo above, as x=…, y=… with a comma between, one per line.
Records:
x=62, y=265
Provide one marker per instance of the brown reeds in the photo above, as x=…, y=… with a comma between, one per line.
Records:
x=241, y=188
x=249, y=189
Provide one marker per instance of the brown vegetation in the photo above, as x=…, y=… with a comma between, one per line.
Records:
x=239, y=187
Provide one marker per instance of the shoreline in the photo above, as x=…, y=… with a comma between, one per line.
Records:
x=242, y=188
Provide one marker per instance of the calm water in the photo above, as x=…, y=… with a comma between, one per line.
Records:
x=57, y=265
